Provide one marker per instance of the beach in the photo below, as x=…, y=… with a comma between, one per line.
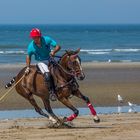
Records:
x=102, y=84
x=112, y=127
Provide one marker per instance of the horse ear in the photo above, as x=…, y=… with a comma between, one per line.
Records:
x=73, y=56
x=68, y=52
x=78, y=50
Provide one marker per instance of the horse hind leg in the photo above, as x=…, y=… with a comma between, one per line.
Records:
x=90, y=106
x=36, y=107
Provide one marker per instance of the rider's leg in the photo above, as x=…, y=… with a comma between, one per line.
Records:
x=47, y=77
x=45, y=71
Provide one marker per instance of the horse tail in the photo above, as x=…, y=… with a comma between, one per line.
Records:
x=10, y=83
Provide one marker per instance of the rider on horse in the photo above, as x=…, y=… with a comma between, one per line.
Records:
x=40, y=47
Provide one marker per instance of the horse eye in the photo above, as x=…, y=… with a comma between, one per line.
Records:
x=75, y=62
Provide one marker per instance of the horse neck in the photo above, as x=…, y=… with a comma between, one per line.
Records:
x=64, y=66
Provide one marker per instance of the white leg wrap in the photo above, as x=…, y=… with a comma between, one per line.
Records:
x=52, y=119
x=96, y=117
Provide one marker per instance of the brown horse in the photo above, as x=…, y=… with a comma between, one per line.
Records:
x=64, y=74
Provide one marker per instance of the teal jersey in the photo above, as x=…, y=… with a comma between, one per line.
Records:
x=43, y=52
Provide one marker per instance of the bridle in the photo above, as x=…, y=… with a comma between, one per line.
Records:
x=70, y=66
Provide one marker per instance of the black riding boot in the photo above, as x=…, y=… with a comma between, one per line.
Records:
x=49, y=83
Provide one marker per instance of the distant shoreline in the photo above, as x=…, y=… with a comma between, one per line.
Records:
x=84, y=64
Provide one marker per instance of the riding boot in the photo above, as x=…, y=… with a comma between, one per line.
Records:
x=49, y=83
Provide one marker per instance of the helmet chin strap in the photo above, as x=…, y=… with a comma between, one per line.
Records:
x=37, y=42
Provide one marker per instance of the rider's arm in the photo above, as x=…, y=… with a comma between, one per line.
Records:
x=28, y=60
x=29, y=54
x=55, y=50
x=53, y=44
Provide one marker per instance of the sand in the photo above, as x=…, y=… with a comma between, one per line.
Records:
x=112, y=127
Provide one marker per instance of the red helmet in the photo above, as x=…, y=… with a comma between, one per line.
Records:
x=35, y=33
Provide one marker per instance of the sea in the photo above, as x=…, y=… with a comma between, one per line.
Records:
x=30, y=113
x=98, y=43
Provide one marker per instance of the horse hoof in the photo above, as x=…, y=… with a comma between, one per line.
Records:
x=54, y=125
x=60, y=125
x=64, y=119
x=67, y=125
x=96, y=119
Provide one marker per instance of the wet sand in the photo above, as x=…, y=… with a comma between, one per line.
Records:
x=103, y=82
x=112, y=127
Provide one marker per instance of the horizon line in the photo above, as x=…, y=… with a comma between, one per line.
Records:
x=69, y=23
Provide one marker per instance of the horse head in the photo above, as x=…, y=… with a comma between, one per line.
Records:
x=72, y=63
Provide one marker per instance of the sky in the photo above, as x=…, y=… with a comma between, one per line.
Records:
x=69, y=11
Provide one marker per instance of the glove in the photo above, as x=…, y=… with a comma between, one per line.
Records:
x=27, y=70
x=52, y=61
x=52, y=54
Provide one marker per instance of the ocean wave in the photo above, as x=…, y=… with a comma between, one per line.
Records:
x=95, y=50
x=13, y=52
x=98, y=52
x=106, y=51
x=126, y=50
x=83, y=51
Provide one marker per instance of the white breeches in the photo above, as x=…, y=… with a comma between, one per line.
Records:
x=43, y=66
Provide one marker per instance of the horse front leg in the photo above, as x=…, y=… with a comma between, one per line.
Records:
x=67, y=103
x=89, y=104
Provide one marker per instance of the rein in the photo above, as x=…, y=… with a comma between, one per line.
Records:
x=65, y=70
x=66, y=84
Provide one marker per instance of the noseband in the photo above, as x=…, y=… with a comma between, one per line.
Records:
x=71, y=67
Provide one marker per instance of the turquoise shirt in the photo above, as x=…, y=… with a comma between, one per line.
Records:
x=43, y=52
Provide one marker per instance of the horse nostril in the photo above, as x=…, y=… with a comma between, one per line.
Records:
x=82, y=77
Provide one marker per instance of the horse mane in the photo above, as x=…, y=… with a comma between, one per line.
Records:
x=67, y=52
